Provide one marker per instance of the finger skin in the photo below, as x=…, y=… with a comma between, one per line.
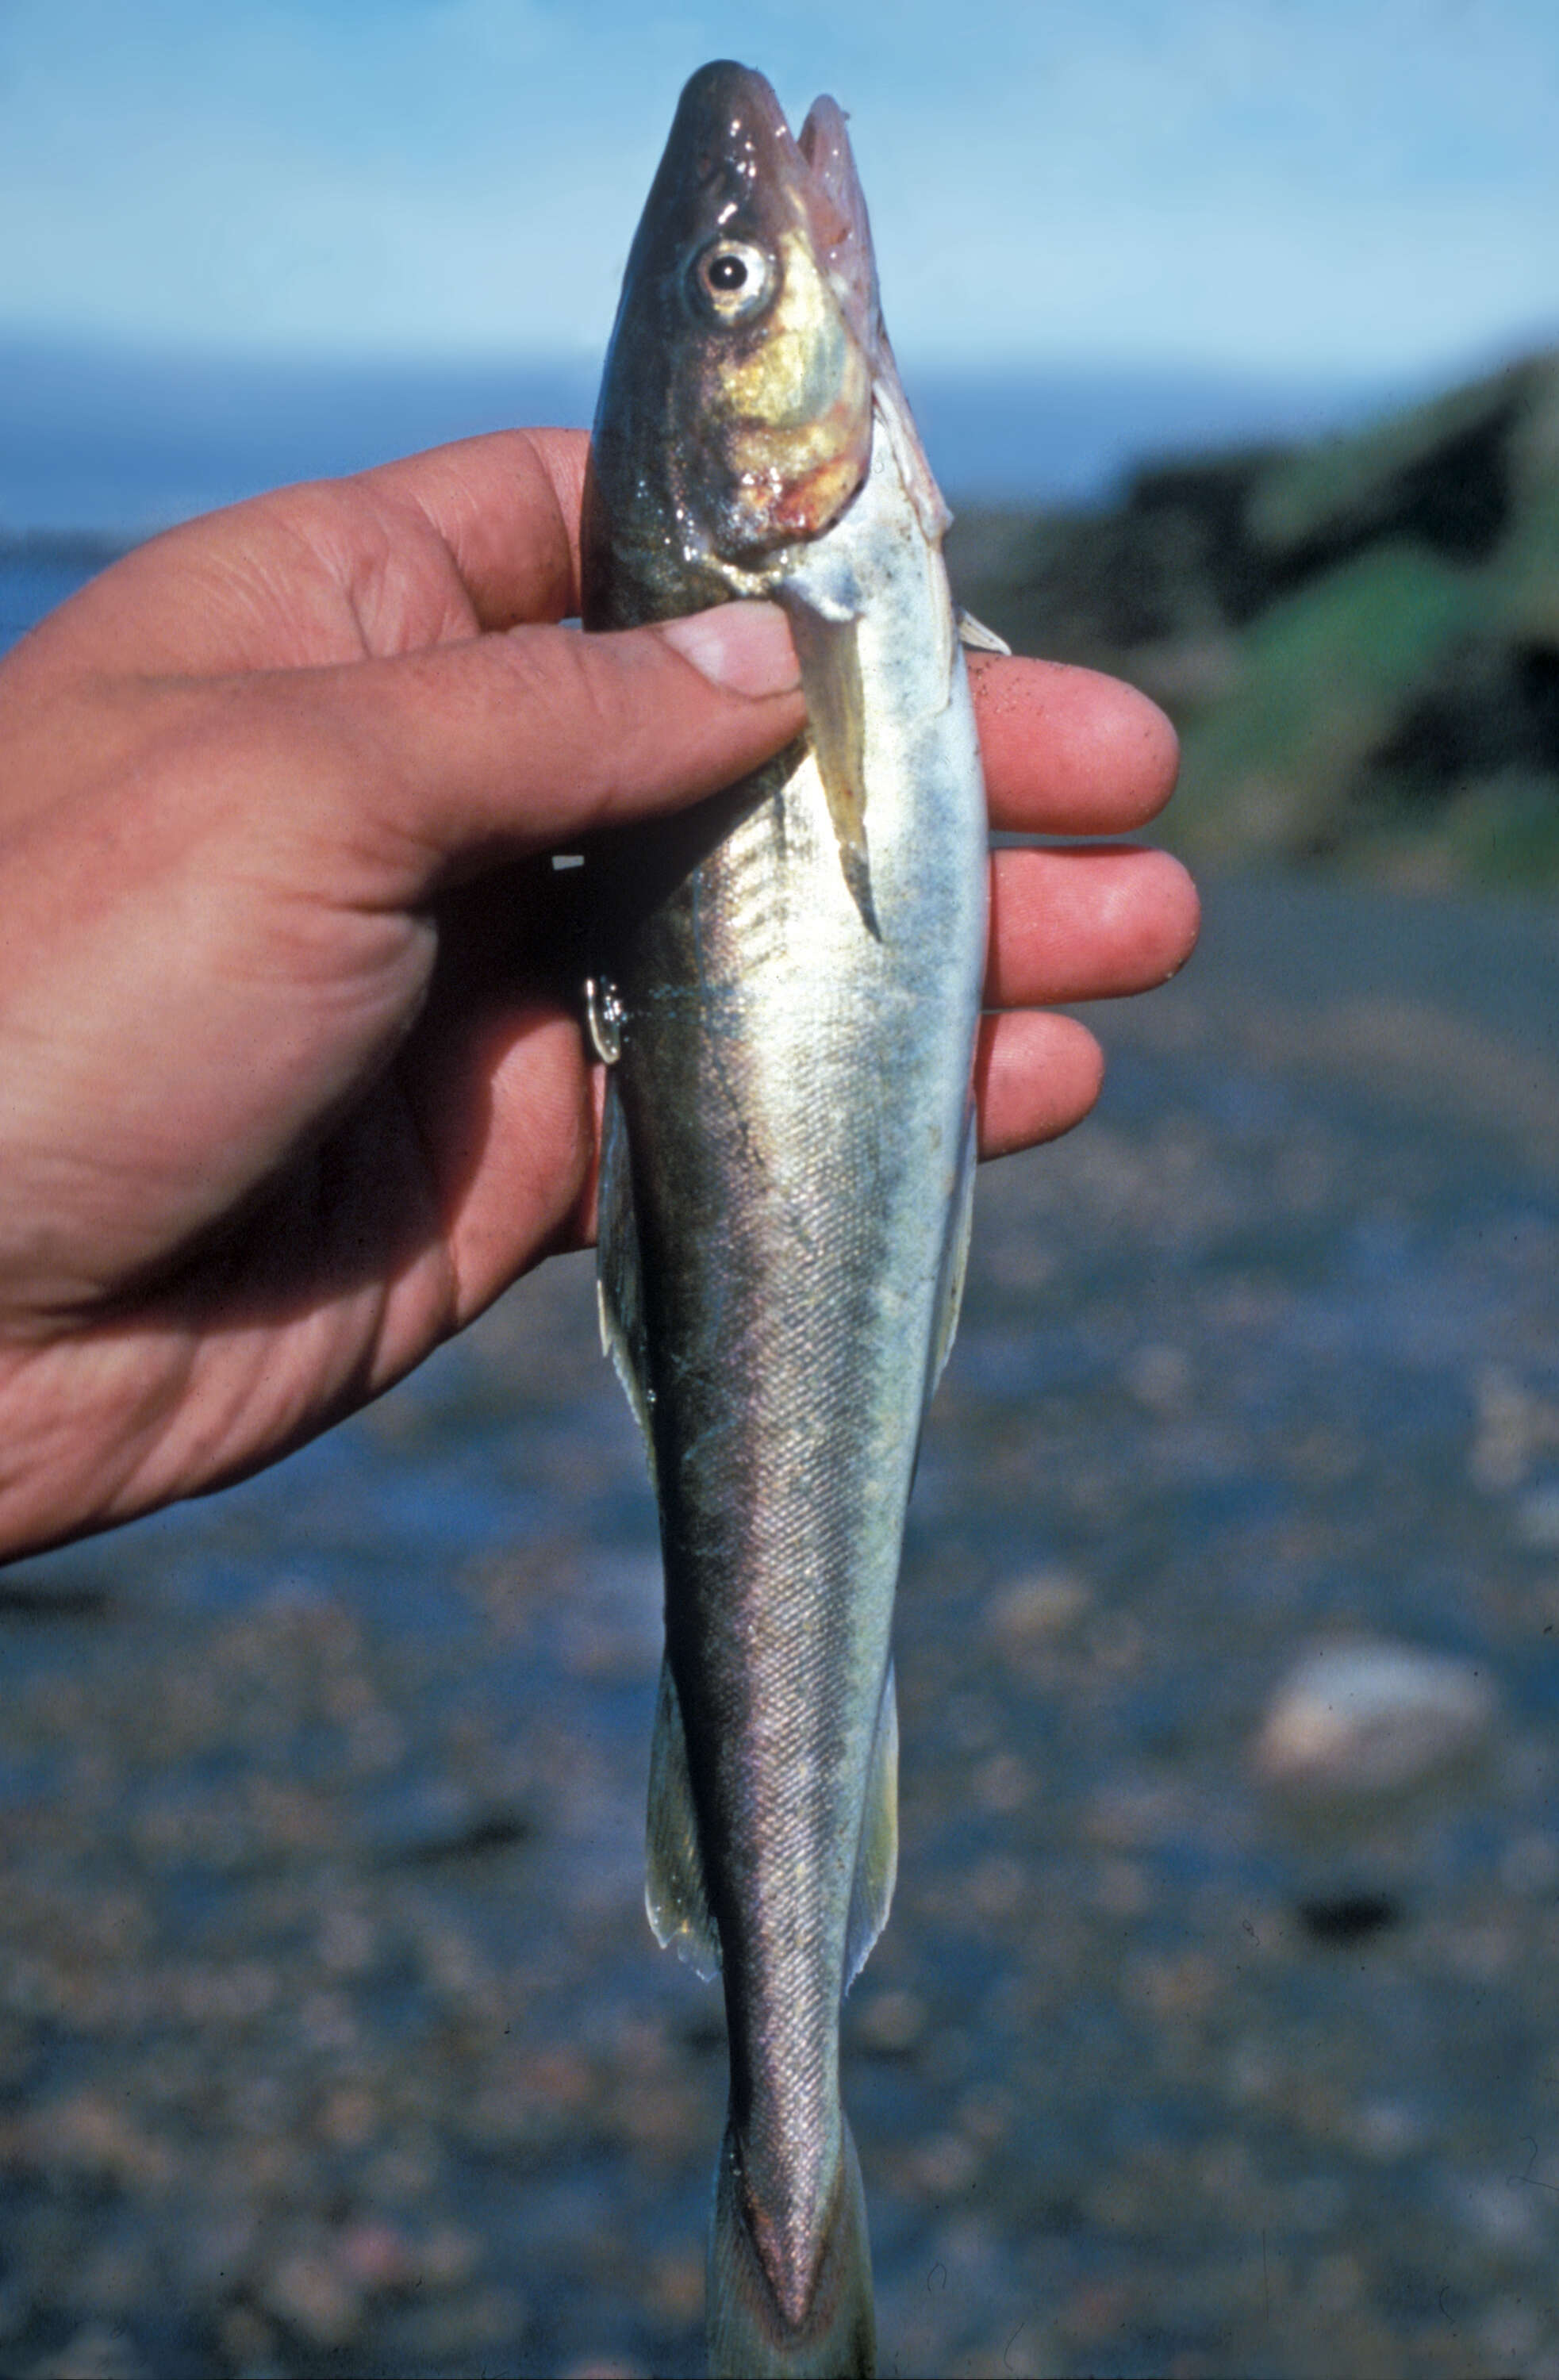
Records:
x=1067, y=751
x=508, y=508
x=479, y=535
x=1035, y=1075
x=507, y=745
x=1087, y=924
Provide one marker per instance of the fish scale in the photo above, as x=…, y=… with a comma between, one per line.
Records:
x=787, y=987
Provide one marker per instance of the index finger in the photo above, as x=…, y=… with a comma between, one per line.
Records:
x=1066, y=750
x=506, y=506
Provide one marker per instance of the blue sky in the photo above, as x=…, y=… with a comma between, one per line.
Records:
x=1294, y=186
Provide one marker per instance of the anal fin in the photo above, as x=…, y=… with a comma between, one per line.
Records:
x=877, y=1856
x=675, y=1896
x=616, y=1274
x=955, y=1257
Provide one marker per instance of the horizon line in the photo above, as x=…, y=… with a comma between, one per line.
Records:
x=61, y=341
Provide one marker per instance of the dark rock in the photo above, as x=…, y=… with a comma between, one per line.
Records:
x=1349, y=1918
x=487, y=1831
x=1358, y=639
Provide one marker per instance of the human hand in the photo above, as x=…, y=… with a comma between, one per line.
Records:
x=291, y=1079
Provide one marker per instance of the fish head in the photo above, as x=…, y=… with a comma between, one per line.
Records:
x=736, y=408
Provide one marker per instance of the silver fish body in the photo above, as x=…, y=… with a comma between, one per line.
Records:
x=788, y=987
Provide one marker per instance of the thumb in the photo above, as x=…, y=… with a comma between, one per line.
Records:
x=511, y=743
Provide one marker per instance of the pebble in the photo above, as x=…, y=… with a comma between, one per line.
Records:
x=1003, y=1783
x=248, y=2343
x=1122, y=1889
x=1361, y=1722
x=478, y=2330
x=1537, y=1519
x=890, y=2022
x=1529, y=1865
x=376, y=2256
x=95, y=2353
x=943, y=2166
x=1159, y=1378
x=1514, y=1427
x=676, y=2286
x=87, y=2137
x=996, y=1885
x=1509, y=2219
x=1033, y=1611
x=1130, y=1813
x=1385, y=2130
x=1512, y=2335
x=1335, y=2283
x=350, y=2118
x=315, y=2296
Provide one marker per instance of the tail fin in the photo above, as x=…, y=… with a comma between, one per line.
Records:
x=749, y=2337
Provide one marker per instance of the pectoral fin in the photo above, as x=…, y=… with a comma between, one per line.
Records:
x=828, y=652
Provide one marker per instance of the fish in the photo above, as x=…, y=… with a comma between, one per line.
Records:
x=784, y=988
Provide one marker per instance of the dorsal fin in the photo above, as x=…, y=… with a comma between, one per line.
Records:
x=976, y=637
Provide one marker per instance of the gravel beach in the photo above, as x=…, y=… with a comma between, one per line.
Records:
x=331, y=2035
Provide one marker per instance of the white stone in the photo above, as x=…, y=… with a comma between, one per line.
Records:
x=1369, y=1720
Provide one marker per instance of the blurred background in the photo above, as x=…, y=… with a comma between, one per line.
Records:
x=1214, y=2031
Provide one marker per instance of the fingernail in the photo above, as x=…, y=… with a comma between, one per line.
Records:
x=745, y=647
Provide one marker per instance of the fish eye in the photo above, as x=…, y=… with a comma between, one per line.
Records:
x=733, y=278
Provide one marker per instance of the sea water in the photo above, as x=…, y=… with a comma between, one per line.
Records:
x=118, y=442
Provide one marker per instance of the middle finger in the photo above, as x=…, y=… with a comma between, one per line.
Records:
x=1068, y=752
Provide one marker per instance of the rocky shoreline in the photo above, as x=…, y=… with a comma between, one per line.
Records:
x=1357, y=638
x=332, y=2037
